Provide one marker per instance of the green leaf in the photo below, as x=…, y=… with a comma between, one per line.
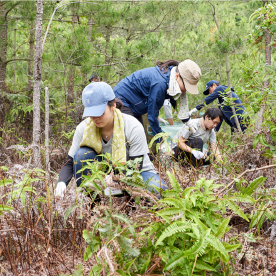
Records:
x=5, y=208
x=175, y=227
x=231, y=247
x=254, y=185
x=203, y=266
x=222, y=228
x=174, y=183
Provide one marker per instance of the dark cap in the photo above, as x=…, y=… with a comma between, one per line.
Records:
x=208, y=85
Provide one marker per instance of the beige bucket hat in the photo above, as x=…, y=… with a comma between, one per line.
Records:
x=190, y=73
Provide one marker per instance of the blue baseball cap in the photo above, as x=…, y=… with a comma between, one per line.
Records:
x=208, y=85
x=95, y=97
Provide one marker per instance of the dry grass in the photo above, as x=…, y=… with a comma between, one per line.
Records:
x=35, y=240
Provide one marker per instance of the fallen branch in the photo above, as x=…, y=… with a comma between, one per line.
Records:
x=252, y=170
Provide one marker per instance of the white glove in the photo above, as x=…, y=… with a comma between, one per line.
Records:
x=198, y=154
x=191, y=126
x=110, y=191
x=193, y=111
x=60, y=189
x=162, y=121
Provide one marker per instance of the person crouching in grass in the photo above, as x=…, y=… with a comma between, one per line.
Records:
x=190, y=145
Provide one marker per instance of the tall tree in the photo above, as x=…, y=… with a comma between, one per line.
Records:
x=37, y=83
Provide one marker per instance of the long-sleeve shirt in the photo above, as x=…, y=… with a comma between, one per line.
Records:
x=220, y=93
x=144, y=91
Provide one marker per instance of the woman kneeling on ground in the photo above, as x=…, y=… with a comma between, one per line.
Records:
x=106, y=130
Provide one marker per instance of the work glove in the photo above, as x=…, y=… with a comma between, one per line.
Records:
x=162, y=121
x=193, y=111
x=110, y=191
x=198, y=154
x=60, y=189
x=191, y=126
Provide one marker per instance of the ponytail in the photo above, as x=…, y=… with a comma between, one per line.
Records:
x=164, y=65
x=118, y=102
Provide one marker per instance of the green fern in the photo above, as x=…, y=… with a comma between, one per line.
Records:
x=223, y=228
x=172, y=229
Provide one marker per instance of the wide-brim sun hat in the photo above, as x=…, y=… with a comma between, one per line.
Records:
x=95, y=97
x=191, y=74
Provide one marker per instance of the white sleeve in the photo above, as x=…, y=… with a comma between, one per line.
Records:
x=212, y=138
x=137, y=140
x=77, y=139
x=184, y=132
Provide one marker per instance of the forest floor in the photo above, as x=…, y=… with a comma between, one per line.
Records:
x=38, y=241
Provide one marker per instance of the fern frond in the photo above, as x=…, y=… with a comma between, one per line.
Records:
x=254, y=185
x=231, y=247
x=198, y=248
x=203, y=266
x=217, y=244
x=241, y=198
x=169, y=211
x=235, y=208
x=172, y=201
x=170, y=193
x=174, y=183
x=222, y=228
x=177, y=260
x=172, y=229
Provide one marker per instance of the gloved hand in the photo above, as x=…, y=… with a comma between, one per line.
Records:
x=162, y=121
x=60, y=189
x=110, y=191
x=191, y=126
x=193, y=111
x=198, y=154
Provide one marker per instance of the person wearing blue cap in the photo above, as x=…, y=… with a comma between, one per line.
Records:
x=144, y=91
x=106, y=130
x=216, y=91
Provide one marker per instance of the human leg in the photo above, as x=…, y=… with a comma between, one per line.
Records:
x=154, y=180
x=128, y=110
x=84, y=153
x=195, y=143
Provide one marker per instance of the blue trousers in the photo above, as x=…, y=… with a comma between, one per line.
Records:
x=86, y=153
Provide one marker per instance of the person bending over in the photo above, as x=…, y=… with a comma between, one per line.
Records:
x=190, y=145
x=105, y=130
x=144, y=91
x=216, y=91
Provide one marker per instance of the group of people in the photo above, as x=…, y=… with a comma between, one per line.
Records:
x=113, y=120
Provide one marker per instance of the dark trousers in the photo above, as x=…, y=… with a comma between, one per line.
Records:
x=181, y=155
x=231, y=122
x=127, y=110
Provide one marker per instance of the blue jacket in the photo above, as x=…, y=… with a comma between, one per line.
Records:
x=144, y=91
x=219, y=93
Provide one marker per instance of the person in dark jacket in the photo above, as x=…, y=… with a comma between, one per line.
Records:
x=145, y=90
x=216, y=91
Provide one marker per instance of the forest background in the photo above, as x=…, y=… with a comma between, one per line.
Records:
x=232, y=42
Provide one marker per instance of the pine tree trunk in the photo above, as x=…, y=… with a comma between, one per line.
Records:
x=3, y=65
x=31, y=57
x=71, y=76
x=37, y=82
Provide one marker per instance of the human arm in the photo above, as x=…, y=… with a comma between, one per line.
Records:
x=155, y=101
x=196, y=153
x=66, y=171
x=210, y=98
